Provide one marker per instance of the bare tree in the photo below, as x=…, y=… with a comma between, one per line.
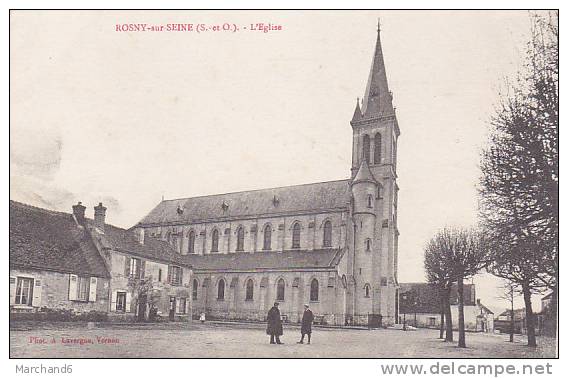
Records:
x=457, y=254
x=439, y=276
x=509, y=292
x=519, y=184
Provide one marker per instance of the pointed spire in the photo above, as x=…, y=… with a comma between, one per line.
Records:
x=364, y=173
x=357, y=115
x=378, y=99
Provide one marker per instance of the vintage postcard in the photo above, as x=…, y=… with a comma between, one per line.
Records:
x=284, y=184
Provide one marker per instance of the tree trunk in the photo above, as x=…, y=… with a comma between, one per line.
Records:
x=531, y=336
x=449, y=326
x=442, y=313
x=461, y=321
x=512, y=324
x=553, y=312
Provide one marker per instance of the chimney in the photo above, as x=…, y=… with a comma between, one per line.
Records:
x=140, y=235
x=79, y=213
x=100, y=212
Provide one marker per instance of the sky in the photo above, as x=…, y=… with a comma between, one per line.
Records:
x=129, y=118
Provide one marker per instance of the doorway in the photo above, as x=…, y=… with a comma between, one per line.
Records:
x=142, y=301
x=172, y=308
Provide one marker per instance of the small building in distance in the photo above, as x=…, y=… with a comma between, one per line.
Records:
x=422, y=309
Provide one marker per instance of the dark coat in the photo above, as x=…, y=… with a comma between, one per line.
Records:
x=274, y=326
x=307, y=320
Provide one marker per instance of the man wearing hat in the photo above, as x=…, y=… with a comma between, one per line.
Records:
x=274, y=326
x=307, y=320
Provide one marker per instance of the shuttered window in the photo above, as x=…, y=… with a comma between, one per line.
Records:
x=24, y=289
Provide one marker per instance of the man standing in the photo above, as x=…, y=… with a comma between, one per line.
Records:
x=274, y=327
x=307, y=320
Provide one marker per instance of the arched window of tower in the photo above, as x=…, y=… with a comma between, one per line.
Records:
x=368, y=245
x=367, y=148
x=379, y=192
x=369, y=201
x=367, y=289
x=378, y=147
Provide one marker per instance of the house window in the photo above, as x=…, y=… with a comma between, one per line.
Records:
x=121, y=301
x=296, y=236
x=175, y=275
x=215, y=241
x=367, y=290
x=314, y=290
x=221, y=290
x=194, y=290
x=83, y=288
x=249, y=290
x=327, y=234
x=182, y=305
x=191, y=242
x=280, y=288
x=240, y=239
x=267, y=237
x=367, y=148
x=432, y=322
x=132, y=268
x=24, y=291
x=378, y=145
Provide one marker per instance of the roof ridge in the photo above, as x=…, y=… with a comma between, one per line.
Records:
x=253, y=190
x=39, y=209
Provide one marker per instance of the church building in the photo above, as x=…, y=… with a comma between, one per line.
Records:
x=332, y=244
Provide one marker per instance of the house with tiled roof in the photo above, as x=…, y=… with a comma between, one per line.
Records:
x=332, y=245
x=67, y=261
x=420, y=305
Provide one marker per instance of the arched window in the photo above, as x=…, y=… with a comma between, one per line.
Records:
x=280, y=288
x=267, y=237
x=366, y=148
x=367, y=289
x=327, y=234
x=249, y=290
x=194, y=290
x=314, y=290
x=240, y=239
x=169, y=237
x=296, y=235
x=378, y=146
x=191, y=242
x=369, y=201
x=221, y=290
x=368, y=245
x=215, y=241
x=380, y=192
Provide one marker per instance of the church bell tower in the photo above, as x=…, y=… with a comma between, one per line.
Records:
x=375, y=195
